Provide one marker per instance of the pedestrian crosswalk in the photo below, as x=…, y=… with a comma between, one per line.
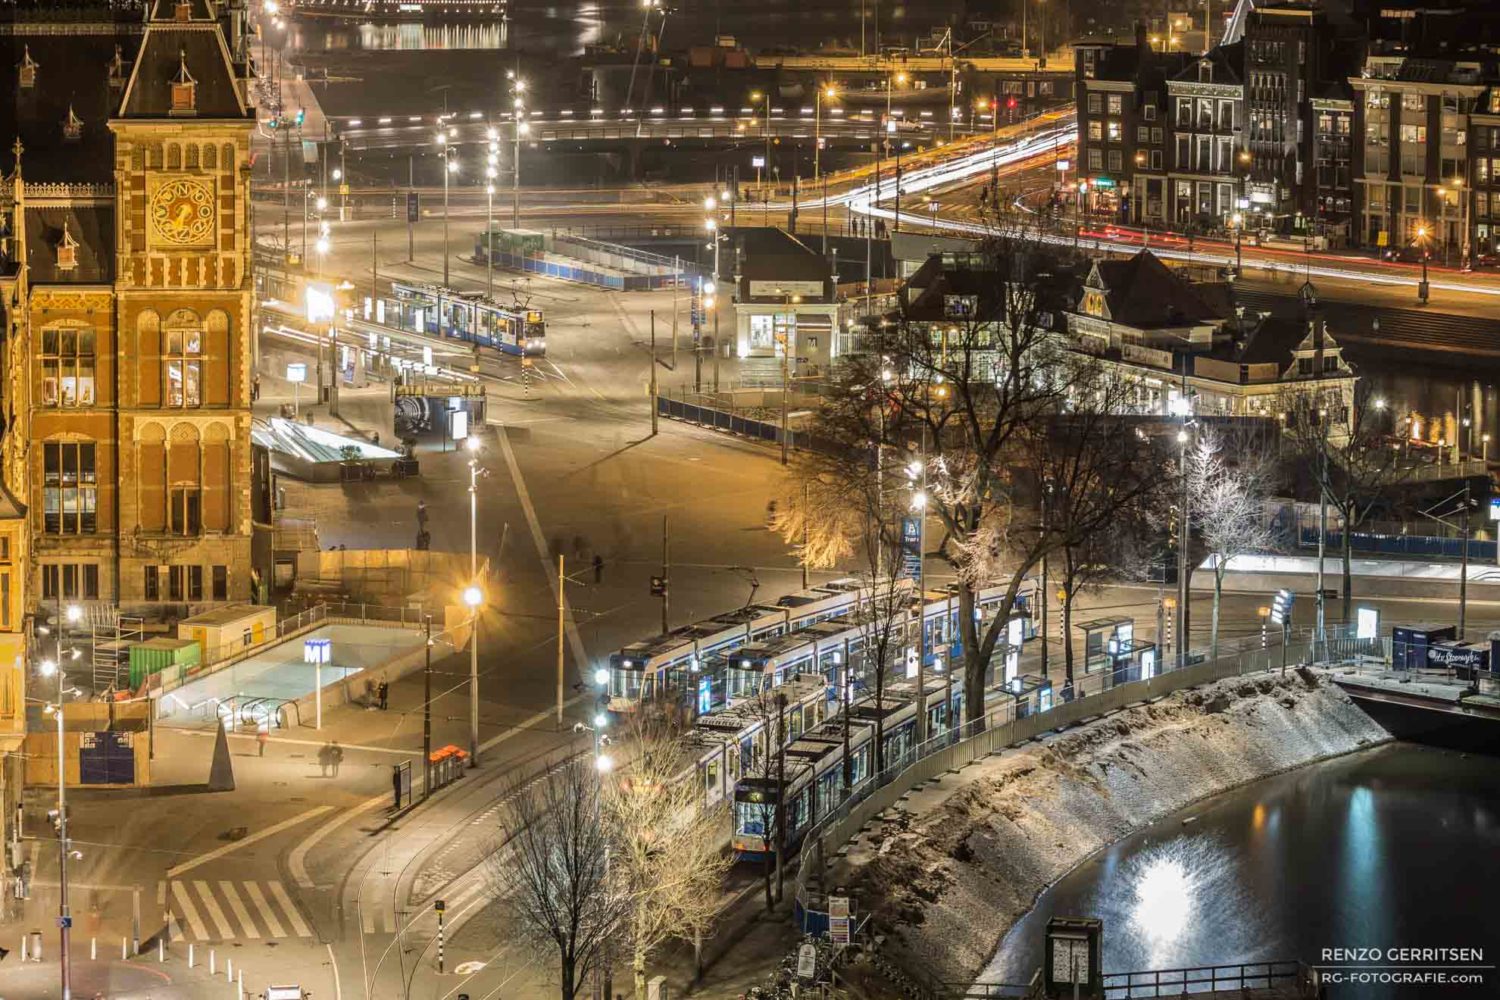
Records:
x=222, y=910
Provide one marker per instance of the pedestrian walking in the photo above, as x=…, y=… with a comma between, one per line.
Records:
x=421, y=515
x=383, y=692
x=261, y=739
x=325, y=758
x=598, y=569
x=336, y=755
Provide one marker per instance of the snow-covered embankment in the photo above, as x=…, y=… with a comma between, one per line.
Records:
x=949, y=870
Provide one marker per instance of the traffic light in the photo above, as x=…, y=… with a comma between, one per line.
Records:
x=301, y=115
x=1010, y=103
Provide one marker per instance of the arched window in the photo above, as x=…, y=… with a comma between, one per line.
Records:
x=184, y=481
x=151, y=477
x=182, y=359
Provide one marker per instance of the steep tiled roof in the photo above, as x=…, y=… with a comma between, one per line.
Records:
x=171, y=45
x=1144, y=293
x=90, y=227
x=71, y=71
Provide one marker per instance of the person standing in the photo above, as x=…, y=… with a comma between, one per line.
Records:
x=383, y=691
x=261, y=739
x=598, y=569
x=336, y=755
x=325, y=758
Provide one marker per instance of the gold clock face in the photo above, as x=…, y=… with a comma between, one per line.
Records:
x=182, y=212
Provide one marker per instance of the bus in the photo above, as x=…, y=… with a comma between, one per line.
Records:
x=470, y=317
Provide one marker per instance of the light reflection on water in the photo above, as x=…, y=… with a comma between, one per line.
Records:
x=1397, y=846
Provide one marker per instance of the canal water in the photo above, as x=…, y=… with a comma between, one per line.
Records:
x=1392, y=848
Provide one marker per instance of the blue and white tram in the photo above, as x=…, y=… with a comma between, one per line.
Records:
x=677, y=661
x=813, y=770
x=434, y=309
x=734, y=742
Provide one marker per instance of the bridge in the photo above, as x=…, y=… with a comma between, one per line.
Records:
x=1434, y=705
x=705, y=127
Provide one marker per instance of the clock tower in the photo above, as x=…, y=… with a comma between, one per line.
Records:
x=183, y=291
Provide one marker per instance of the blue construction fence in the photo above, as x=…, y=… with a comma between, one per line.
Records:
x=1422, y=546
x=580, y=271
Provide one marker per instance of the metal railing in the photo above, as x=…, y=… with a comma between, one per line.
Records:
x=1021, y=719
x=1205, y=979
x=226, y=656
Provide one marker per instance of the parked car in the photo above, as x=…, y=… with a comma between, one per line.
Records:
x=1411, y=254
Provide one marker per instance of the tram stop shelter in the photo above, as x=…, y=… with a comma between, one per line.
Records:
x=1110, y=646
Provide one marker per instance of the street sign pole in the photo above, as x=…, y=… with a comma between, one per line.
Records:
x=440, y=906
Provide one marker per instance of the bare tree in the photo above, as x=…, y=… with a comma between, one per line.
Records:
x=668, y=862
x=763, y=774
x=964, y=392
x=552, y=872
x=1353, y=458
x=1229, y=480
x=839, y=505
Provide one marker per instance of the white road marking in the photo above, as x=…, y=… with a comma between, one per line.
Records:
x=297, y=860
x=235, y=904
x=267, y=913
x=303, y=743
x=215, y=912
x=185, y=905
x=269, y=831
x=298, y=924
x=580, y=657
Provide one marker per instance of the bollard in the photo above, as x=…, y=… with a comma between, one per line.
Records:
x=124, y=949
x=190, y=955
x=161, y=950
x=93, y=949
x=228, y=970
x=213, y=962
x=23, y=947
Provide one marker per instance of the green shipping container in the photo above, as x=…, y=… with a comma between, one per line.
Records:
x=155, y=655
x=519, y=241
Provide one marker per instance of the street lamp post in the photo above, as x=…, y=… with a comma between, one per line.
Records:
x=474, y=597
x=450, y=166
x=64, y=915
x=1239, y=227
x=1422, y=288
x=518, y=106
x=491, y=171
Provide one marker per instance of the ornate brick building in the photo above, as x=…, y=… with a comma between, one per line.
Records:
x=125, y=273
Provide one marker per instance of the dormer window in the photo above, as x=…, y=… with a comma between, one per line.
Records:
x=117, y=69
x=72, y=126
x=67, y=251
x=184, y=88
x=1205, y=71
x=29, y=66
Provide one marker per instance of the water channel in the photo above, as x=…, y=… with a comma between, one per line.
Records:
x=1394, y=847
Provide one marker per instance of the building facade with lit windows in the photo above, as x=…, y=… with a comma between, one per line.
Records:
x=1411, y=151
x=1484, y=172
x=1162, y=333
x=126, y=135
x=1123, y=131
x=1206, y=179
